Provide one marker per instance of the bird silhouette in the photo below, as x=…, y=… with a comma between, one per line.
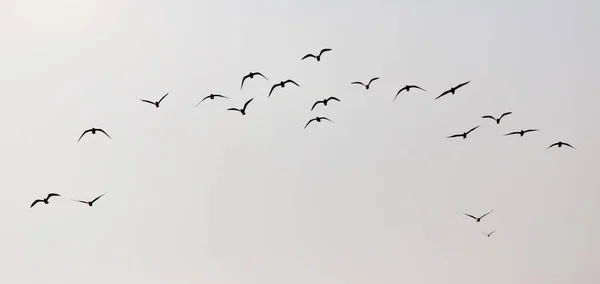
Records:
x=282, y=85
x=488, y=235
x=45, y=200
x=318, y=57
x=497, y=119
x=464, y=135
x=324, y=102
x=93, y=130
x=212, y=97
x=560, y=144
x=156, y=104
x=250, y=76
x=90, y=203
x=522, y=132
x=367, y=85
x=243, y=110
x=452, y=90
x=478, y=219
x=317, y=119
x=407, y=88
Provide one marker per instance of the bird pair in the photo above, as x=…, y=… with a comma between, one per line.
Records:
x=47, y=200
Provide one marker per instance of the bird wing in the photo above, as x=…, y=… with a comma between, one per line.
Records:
x=79, y=201
x=271, y=91
x=221, y=96
x=462, y=84
x=360, y=83
x=491, y=233
x=290, y=81
x=163, y=97
x=147, y=101
x=324, y=50
x=52, y=194
x=309, y=122
x=486, y=214
x=473, y=129
x=470, y=215
x=516, y=132
x=567, y=144
x=488, y=116
x=443, y=94
x=235, y=109
x=104, y=133
x=376, y=78
x=334, y=98
x=415, y=86
x=455, y=135
x=530, y=130
x=36, y=201
x=326, y=118
x=97, y=198
x=504, y=114
x=246, y=104
x=243, y=79
x=552, y=145
x=258, y=73
x=83, y=134
x=316, y=103
x=403, y=88
x=203, y=100
x=307, y=56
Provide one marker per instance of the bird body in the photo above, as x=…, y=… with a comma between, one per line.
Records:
x=367, y=85
x=317, y=119
x=497, y=119
x=212, y=97
x=478, y=219
x=560, y=144
x=250, y=76
x=45, y=200
x=89, y=203
x=521, y=133
x=452, y=90
x=243, y=110
x=407, y=88
x=464, y=135
x=282, y=85
x=157, y=103
x=324, y=102
x=93, y=131
x=318, y=57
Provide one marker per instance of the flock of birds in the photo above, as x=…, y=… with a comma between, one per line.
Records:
x=324, y=102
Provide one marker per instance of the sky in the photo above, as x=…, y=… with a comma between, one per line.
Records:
x=206, y=195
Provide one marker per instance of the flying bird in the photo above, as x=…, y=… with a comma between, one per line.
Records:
x=488, y=235
x=156, y=104
x=522, y=132
x=212, y=97
x=250, y=76
x=324, y=102
x=478, y=219
x=90, y=203
x=497, y=119
x=317, y=119
x=560, y=144
x=318, y=57
x=407, y=88
x=93, y=130
x=367, y=85
x=452, y=90
x=45, y=200
x=282, y=84
x=243, y=110
x=464, y=135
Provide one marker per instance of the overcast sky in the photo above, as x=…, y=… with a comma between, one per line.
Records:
x=205, y=195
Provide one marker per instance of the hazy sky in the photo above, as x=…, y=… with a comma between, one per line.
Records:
x=205, y=195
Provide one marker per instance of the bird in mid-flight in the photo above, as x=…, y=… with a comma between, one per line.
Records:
x=324, y=102
x=212, y=97
x=318, y=57
x=250, y=76
x=407, y=88
x=156, y=104
x=367, y=85
x=488, y=235
x=497, y=119
x=282, y=84
x=243, y=110
x=93, y=130
x=45, y=200
x=452, y=90
x=478, y=219
x=522, y=132
x=464, y=135
x=560, y=144
x=90, y=203
x=317, y=119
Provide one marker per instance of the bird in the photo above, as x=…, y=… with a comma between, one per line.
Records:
x=560, y=144
x=318, y=57
x=522, y=132
x=488, y=235
x=367, y=85
x=156, y=104
x=324, y=102
x=45, y=200
x=407, y=88
x=478, y=219
x=464, y=135
x=282, y=84
x=452, y=90
x=317, y=119
x=497, y=119
x=93, y=130
x=212, y=97
x=90, y=203
x=250, y=76
x=243, y=110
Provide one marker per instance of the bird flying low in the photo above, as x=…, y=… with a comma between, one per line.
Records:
x=282, y=85
x=89, y=203
x=324, y=102
x=367, y=85
x=497, y=119
x=318, y=57
x=45, y=200
x=156, y=104
x=464, y=135
x=452, y=90
x=243, y=110
x=478, y=219
x=250, y=76
x=407, y=88
x=212, y=97
x=560, y=144
x=522, y=132
x=317, y=119
x=93, y=130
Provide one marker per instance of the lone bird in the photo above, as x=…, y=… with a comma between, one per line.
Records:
x=156, y=104
x=464, y=135
x=90, y=203
x=497, y=119
x=45, y=200
x=367, y=85
x=282, y=85
x=488, y=235
x=407, y=88
x=93, y=130
x=324, y=102
x=522, y=132
x=452, y=90
x=250, y=76
x=478, y=219
x=212, y=97
x=317, y=119
x=243, y=110
x=560, y=144
x=318, y=57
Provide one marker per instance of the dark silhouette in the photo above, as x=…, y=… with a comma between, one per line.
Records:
x=478, y=219
x=250, y=76
x=464, y=135
x=156, y=104
x=324, y=102
x=367, y=85
x=560, y=144
x=243, y=110
x=318, y=57
x=93, y=130
x=452, y=90
x=212, y=97
x=407, y=88
x=317, y=119
x=497, y=119
x=282, y=85
x=488, y=235
x=90, y=203
x=45, y=200
x=522, y=132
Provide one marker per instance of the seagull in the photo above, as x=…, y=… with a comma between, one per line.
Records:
x=90, y=203
x=243, y=110
x=45, y=200
x=317, y=119
x=324, y=102
x=318, y=57
x=488, y=235
x=407, y=88
x=452, y=90
x=479, y=219
x=560, y=144
x=367, y=85
x=93, y=130
x=282, y=84
x=464, y=135
x=212, y=97
x=522, y=132
x=497, y=119
x=156, y=104
x=250, y=76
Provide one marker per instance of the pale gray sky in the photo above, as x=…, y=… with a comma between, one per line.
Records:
x=203, y=195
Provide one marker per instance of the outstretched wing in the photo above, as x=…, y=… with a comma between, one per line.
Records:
x=35, y=202
x=415, y=86
x=290, y=81
x=97, y=198
x=470, y=215
x=209, y=97
x=83, y=134
x=246, y=104
x=376, y=78
x=309, y=122
x=486, y=214
x=491, y=233
x=462, y=84
x=552, y=145
x=234, y=109
x=530, y=130
x=403, y=88
x=504, y=114
x=307, y=56
x=271, y=91
x=324, y=50
x=316, y=103
x=325, y=118
x=244, y=79
x=567, y=144
x=334, y=98
x=488, y=116
x=443, y=94
x=104, y=133
x=512, y=133
x=455, y=135
x=163, y=97
x=258, y=73
x=52, y=194
x=147, y=101
x=79, y=201
x=473, y=129
x=359, y=83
